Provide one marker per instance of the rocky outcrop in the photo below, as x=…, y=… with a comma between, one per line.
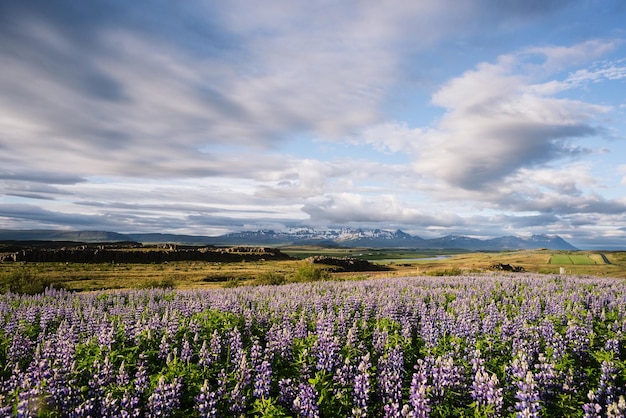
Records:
x=346, y=264
x=507, y=267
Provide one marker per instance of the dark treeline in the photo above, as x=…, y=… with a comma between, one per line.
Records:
x=133, y=253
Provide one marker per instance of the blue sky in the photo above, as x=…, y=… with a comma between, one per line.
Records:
x=475, y=117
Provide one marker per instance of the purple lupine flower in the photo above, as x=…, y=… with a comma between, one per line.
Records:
x=129, y=406
x=606, y=388
x=101, y=377
x=390, y=375
x=122, y=375
x=617, y=409
x=344, y=375
x=222, y=383
x=63, y=393
x=559, y=347
x=327, y=351
x=305, y=366
x=238, y=399
x=106, y=336
x=527, y=396
x=165, y=398
x=186, y=352
x=109, y=407
x=380, y=338
x=546, y=377
x=204, y=356
x=236, y=346
x=485, y=391
x=352, y=335
x=171, y=321
x=6, y=409
x=216, y=345
x=273, y=340
x=477, y=361
x=527, y=393
x=28, y=403
x=85, y=409
x=519, y=367
x=362, y=387
x=445, y=375
x=141, y=376
x=429, y=331
x=612, y=345
x=20, y=348
x=305, y=403
x=263, y=377
x=592, y=408
x=407, y=329
x=107, y=373
x=14, y=381
x=301, y=329
x=164, y=347
x=284, y=343
x=242, y=378
x=419, y=403
x=256, y=353
x=577, y=337
x=206, y=402
x=286, y=392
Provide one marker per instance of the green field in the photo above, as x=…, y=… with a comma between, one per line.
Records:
x=577, y=259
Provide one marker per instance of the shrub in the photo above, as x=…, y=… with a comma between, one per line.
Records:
x=270, y=278
x=24, y=282
x=453, y=271
x=167, y=283
x=232, y=282
x=310, y=273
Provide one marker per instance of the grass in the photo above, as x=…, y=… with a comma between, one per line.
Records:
x=184, y=274
x=196, y=274
x=577, y=259
x=561, y=259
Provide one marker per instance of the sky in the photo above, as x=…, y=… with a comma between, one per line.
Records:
x=476, y=117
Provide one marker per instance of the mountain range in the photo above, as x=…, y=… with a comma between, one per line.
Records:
x=347, y=237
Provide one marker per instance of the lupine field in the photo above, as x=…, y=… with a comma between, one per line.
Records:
x=518, y=345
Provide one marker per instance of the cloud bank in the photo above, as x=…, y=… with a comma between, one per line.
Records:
x=434, y=116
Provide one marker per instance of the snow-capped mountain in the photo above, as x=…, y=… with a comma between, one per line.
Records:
x=390, y=239
x=348, y=237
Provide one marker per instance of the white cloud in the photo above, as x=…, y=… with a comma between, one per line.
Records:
x=556, y=58
x=110, y=111
x=347, y=208
x=391, y=137
x=605, y=71
x=497, y=123
x=500, y=118
x=135, y=100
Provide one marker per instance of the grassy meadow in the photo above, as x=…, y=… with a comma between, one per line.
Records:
x=196, y=274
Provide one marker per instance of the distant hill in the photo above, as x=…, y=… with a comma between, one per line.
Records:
x=552, y=242
x=347, y=237
x=158, y=238
x=55, y=235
